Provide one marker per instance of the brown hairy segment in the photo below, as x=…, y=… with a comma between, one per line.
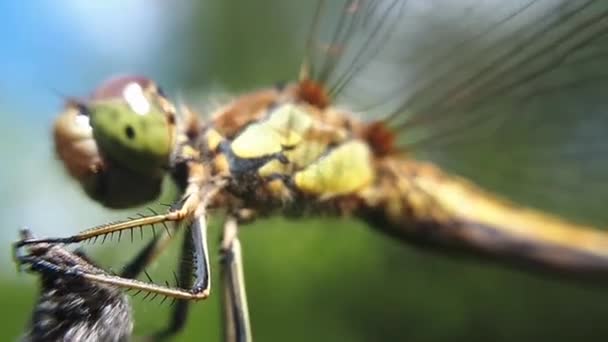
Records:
x=70, y=307
x=312, y=93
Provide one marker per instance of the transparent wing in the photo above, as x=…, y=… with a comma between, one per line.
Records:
x=510, y=94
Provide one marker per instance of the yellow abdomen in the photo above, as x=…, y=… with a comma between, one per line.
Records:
x=419, y=202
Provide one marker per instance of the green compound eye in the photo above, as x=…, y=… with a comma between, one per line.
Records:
x=118, y=144
x=133, y=125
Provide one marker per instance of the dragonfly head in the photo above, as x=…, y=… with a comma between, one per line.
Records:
x=119, y=142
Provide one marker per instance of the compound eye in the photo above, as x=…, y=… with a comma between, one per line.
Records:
x=115, y=87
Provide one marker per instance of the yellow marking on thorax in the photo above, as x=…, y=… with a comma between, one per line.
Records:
x=344, y=170
x=299, y=157
x=189, y=152
x=221, y=165
x=303, y=135
x=284, y=128
x=278, y=190
x=214, y=138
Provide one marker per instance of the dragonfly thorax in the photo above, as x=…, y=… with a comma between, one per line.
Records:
x=287, y=151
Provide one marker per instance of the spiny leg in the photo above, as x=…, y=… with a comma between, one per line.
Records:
x=237, y=327
x=147, y=254
x=143, y=258
x=180, y=309
x=200, y=288
x=194, y=257
x=196, y=243
x=193, y=205
x=158, y=243
x=191, y=201
x=185, y=210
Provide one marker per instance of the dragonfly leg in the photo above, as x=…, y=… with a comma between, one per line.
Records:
x=191, y=206
x=152, y=250
x=194, y=248
x=198, y=291
x=183, y=211
x=147, y=254
x=237, y=327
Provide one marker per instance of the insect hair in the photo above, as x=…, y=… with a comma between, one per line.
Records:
x=70, y=307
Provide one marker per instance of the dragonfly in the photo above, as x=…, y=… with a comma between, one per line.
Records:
x=379, y=125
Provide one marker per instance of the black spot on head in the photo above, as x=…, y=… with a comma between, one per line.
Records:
x=130, y=132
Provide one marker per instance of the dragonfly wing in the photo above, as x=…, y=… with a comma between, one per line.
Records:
x=531, y=125
x=508, y=94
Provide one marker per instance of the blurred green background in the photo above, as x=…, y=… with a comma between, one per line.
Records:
x=310, y=279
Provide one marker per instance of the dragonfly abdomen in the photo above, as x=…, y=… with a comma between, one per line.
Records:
x=419, y=203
